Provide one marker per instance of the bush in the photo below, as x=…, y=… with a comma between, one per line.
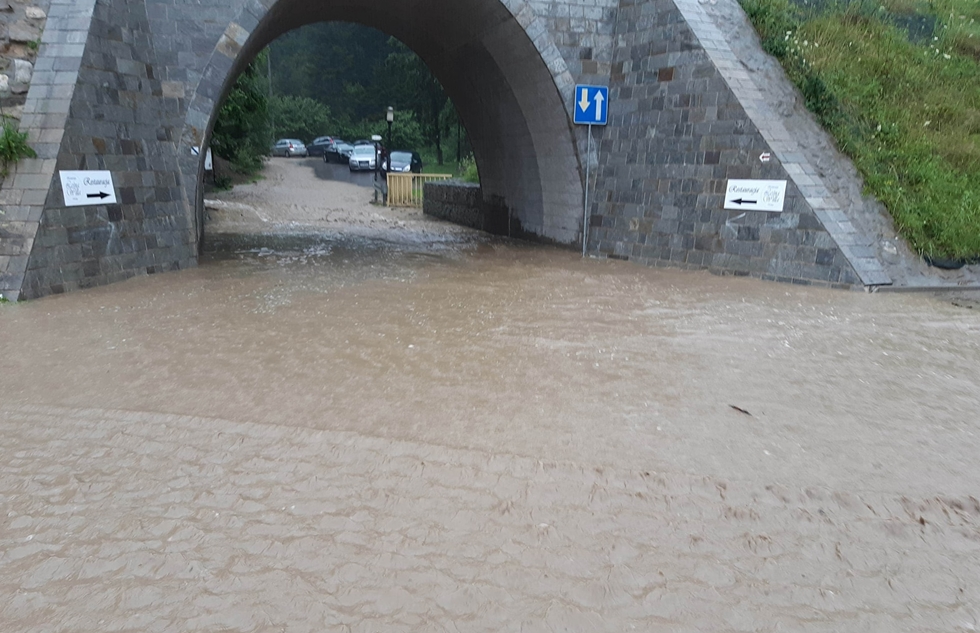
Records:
x=468, y=170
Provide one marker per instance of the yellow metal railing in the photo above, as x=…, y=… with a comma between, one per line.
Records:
x=405, y=190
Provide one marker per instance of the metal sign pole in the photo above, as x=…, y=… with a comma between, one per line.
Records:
x=589, y=110
x=585, y=210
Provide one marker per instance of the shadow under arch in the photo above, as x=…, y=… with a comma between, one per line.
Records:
x=497, y=63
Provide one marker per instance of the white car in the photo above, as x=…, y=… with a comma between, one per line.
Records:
x=363, y=157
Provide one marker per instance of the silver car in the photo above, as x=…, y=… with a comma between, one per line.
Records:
x=363, y=157
x=289, y=147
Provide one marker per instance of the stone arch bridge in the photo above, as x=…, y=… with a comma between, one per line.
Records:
x=131, y=86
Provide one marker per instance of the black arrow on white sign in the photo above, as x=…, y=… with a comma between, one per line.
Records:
x=741, y=201
x=100, y=195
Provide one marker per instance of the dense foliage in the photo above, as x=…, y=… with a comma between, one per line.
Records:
x=897, y=83
x=357, y=72
x=299, y=117
x=242, y=133
x=336, y=79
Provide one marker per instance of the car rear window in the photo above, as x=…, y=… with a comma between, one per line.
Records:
x=401, y=157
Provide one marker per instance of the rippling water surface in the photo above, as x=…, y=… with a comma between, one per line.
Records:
x=364, y=435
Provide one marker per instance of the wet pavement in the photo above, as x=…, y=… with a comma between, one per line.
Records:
x=471, y=434
x=336, y=172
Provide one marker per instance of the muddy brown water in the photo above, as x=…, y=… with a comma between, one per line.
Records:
x=478, y=435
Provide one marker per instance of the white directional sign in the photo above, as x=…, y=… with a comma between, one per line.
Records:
x=87, y=188
x=208, y=162
x=591, y=105
x=755, y=195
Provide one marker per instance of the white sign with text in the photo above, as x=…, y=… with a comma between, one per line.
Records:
x=84, y=188
x=755, y=195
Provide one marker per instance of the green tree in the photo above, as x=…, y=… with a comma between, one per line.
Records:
x=241, y=131
x=336, y=63
x=412, y=84
x=357, y=72
x=300, y=117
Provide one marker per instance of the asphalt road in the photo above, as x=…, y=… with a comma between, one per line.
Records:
x=338, y=172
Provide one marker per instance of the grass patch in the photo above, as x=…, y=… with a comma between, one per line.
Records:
x=13, y=146
x=460, y=171
x=897, y=83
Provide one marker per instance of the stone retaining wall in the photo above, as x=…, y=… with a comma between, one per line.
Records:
x=456, y=202
x=463, y=203
x=21, y=25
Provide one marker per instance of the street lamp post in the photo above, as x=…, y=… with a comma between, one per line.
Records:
x=376, y=141
x=390, y=117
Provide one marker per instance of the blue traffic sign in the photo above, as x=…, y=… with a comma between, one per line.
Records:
x=591, y=105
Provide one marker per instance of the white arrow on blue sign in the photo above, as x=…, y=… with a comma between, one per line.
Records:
x=591, y=105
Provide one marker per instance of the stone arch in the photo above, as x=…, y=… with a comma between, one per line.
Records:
x=498, y=64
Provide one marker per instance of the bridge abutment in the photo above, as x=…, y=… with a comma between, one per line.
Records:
x=132, y=87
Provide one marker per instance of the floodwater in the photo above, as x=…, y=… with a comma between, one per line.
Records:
x=470, y=434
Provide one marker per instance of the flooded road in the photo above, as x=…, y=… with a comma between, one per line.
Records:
x=381, y=432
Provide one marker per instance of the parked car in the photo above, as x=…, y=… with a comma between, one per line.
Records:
x=338, y=152
x=319, y=145
x=289, y=147
x=363, y=157
x=404, y=161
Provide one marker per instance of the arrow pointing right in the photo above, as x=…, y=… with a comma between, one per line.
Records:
x=99, y=195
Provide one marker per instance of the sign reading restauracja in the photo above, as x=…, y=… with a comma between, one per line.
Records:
x=87, y=188
x=755, y=195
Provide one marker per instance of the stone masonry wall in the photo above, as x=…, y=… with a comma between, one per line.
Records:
x=131, y=86
x=21, y=25
x=455, y=202
x=114, y=125
x=101, y=104
x=677, y=133
x=465, y=203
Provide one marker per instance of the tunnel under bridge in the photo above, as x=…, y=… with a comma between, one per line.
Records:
x=133, y=87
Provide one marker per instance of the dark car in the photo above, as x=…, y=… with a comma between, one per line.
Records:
x=319, y=145
x=404, y=161
x=338, y=152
